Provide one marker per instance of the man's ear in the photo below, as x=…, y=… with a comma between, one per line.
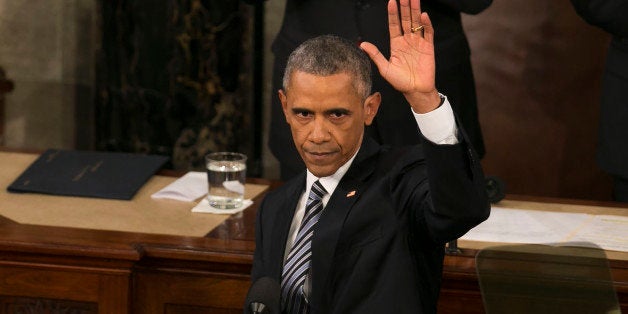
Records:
x=284, y=103
x=371, y=105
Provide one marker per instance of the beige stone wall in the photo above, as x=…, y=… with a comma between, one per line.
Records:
x=47, y=49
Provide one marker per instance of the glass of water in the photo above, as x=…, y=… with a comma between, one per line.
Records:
x=226, y=174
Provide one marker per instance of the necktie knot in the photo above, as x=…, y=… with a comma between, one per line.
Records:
x=317, y=191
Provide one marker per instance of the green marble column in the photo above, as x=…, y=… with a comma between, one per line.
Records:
x=173, y=78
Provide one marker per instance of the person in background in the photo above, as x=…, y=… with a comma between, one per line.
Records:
x=612, y=153
x=363, y=228
x=366, y=20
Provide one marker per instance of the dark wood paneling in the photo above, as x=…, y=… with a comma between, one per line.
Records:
x=11, y=305
x=167, y=292
x=53, y=286
x=538, y=67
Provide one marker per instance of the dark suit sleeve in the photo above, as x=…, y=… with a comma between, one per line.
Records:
x=444, y=193
x=467, y=6
x=257, y=270
x=610, y=15
x=457, y=190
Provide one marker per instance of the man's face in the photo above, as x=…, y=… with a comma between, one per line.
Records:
x=327, y=119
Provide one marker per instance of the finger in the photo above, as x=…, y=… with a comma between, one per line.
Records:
x=394, y=29
x=415, y=9
x=375, y=55
x=428, y=30
x=406, y=19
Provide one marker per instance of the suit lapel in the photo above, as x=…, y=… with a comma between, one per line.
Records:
x=331, y=222
x=281, y=223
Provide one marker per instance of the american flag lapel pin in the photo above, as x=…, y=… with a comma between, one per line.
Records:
x=351, y=194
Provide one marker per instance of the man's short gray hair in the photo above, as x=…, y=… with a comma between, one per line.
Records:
x=327, y=55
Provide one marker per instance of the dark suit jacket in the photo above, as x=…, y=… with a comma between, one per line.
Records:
x=612, y=16
x=381, y=250
x=366, y=20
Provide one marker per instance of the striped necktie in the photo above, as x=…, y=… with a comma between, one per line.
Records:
x=295, y=270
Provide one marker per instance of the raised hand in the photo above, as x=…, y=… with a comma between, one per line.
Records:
x=411, y=68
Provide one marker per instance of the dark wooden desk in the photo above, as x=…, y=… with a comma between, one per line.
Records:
x=56, y=269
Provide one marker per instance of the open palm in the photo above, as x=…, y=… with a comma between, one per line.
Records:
x=411, y=66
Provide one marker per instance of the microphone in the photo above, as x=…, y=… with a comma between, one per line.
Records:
x=263, y=297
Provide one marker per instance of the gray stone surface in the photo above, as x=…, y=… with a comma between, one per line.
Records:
x=47, y=48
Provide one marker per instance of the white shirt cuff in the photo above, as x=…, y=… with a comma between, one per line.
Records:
x=438, y=125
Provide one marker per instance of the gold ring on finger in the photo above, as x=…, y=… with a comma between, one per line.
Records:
x=416, y=29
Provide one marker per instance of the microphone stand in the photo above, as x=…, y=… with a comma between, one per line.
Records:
x=452, y=247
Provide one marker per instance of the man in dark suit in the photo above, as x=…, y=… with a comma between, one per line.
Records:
x=612, y=154
x=362, y=230
x=365, y=20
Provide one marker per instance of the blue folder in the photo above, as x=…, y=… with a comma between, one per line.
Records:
x=88, y=174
